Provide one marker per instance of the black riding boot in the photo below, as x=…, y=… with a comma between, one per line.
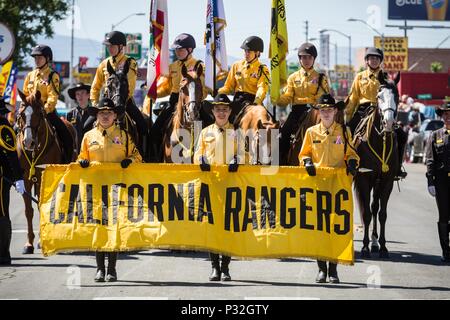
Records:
x=112, y=260
x=215, y=273
x=322, y=275
x=100, y=259
x=443, y=229
x=224, y=268
x=5, y=240
x=332, y=272
x=289, y=129
x=402, y=139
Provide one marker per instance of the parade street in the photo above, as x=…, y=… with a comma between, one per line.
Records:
x=413, y=270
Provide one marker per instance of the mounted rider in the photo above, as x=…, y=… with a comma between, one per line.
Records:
x=47, y=82
x=248, y=79
x=364, y=93
x=303, y=89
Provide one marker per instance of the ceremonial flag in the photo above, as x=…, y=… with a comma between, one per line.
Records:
x=158, y=53
x=216, y=54
x=278, y=49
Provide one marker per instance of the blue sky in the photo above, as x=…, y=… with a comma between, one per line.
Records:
x=251, y=17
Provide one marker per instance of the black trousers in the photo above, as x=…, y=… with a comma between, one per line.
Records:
x=5, y=223
x=442, y=184
x=64, y=134
x=289, y=128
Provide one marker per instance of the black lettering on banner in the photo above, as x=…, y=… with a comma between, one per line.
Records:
x=175, y=202
x=342, y=195
x=205, y=199
x=250, y=208
x=116, y=203
x=61, y=215
x=75, y=199
x=105, y=205
x=304, y=209
x=191, y=206
x=268, y=207
x=155, y=204
x=140, y=203
x=90, y=204
x=283, y=213
x=232, y=212
x=323, y=209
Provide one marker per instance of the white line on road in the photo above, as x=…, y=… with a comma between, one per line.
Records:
x=131, y=298
x=281, y=298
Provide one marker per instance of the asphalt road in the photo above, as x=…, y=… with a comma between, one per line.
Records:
x=413, y=270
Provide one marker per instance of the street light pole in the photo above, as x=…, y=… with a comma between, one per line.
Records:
x=373, y=29
x=129, y=16
x=71, y=45
x=349, y=45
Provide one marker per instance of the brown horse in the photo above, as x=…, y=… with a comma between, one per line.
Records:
x=186, y=122
x=256, y=127
x=37, y=144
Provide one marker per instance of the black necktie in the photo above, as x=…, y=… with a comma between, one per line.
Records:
x=221, y=130
x=104, y=133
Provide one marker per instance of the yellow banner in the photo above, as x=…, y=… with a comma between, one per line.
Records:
x=243, y=214
x=395, y=53
x=278, y=49
x=4, y=76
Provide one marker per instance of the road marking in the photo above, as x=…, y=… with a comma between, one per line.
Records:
x=21, y=231
x=281, y=298
x=131, y=298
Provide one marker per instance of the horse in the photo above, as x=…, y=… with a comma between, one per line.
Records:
x=255, y=124
x=133, y=121
x=184, y=125
x=375, y=140
x=37, y=144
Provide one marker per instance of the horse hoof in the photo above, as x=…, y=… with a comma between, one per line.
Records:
x=384, y=254
x=375, y=249
x=365, y=253
x=28, y=250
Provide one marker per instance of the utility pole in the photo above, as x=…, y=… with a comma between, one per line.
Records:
x=71, y=45
x=307, y=30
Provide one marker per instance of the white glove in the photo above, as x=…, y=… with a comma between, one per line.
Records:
x=20, y=186
x=432, y=191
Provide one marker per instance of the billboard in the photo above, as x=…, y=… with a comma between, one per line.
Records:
x=133, y=48
x=325, y=51
x=431, y=10
x=395, y=53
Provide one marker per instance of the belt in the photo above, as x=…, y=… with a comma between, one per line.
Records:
x=299, y=106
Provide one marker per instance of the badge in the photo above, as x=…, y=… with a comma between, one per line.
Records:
x=298, y=82
x=317, y=141
x=439, y=141
x=93, y=143
x=238, y=73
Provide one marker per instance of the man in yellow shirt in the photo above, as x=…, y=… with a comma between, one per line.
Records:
x=212, y=149
x=363, y=94
x=46, y=81
x=184, y=45
x=328, y=144
x=248, y=79
x=303, y=90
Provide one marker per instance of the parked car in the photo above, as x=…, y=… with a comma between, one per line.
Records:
x=417, y=140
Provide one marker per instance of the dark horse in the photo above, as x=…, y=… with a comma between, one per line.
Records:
x=376, y=143
x=188, y=119
x=37, y=144
x=133, y=121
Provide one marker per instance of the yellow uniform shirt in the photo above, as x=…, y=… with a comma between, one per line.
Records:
x=171, y=83
x=38, y=80
x=111, y=147
x=303, y=88
x=364, y=90
x=247, y=77
x=102, y=75
x=327, y=150
x=212, y=144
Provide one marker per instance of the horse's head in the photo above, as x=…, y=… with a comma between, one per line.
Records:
x=117, y=87
x=31, y=112
x=388, y=99
x=191, y=93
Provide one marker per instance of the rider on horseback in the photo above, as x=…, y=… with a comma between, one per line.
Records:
x=304, y=88
x=46, y=81
x=249, y=79
x=363, y=94
x=184, y=45
x=116, y=41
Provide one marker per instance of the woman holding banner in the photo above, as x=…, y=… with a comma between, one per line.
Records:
x=327, y=145
x=107, y=142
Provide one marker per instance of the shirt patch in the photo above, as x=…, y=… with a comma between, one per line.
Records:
x=317, y=141
x=116, y=140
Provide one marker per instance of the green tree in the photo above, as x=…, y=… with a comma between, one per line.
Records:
x=436, y=67
x=29, y=19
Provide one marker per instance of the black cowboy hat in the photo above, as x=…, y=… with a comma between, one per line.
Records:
x=105, y=104
x=446, y=107
x=78, y=86
x=221, y=99
x=327, y=101
x=5, y=108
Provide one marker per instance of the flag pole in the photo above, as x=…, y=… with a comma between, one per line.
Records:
x=214, y=57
